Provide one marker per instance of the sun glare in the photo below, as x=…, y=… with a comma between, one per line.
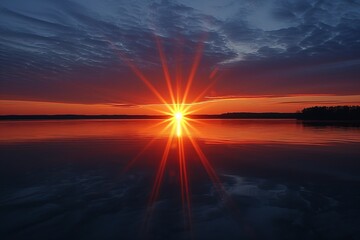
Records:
x=179, y=110
x=178, y=122
x=178, y=116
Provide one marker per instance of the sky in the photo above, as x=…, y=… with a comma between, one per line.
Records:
x=91, y=56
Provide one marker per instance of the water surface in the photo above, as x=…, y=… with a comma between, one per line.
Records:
x=92, y=179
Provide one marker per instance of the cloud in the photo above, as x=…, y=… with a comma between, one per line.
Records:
x=123, y=105
x=75, y=50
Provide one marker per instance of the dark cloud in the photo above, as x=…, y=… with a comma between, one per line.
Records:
x=80, y=51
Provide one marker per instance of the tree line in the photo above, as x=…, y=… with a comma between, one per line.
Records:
x=331, y=113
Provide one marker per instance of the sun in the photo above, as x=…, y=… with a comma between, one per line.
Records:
x=178, y=122
x=178, y=116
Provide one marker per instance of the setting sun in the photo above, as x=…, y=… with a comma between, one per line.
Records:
x=178, y=116
x=178, y=122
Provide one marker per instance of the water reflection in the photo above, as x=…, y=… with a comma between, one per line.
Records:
x=211, y=131
x=212, y=179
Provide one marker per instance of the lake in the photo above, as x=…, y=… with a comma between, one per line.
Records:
x=207, y=179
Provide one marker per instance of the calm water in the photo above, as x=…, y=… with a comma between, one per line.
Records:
x=232, y=179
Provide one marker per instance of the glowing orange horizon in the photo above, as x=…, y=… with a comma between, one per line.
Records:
x=284, y=104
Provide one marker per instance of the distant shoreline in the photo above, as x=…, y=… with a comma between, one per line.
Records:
x=226, y=116
x=313, y=114
x=198, y=116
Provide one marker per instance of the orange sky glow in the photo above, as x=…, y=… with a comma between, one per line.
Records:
x=210, y=106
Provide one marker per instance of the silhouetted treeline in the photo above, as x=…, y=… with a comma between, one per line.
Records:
x=331, y=113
